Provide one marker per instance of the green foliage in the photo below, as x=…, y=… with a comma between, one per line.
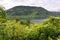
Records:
x=12, y=30
x=2, y=12
x=27, y=22
x=19, y=30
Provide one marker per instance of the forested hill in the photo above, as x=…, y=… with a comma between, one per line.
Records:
x=30, y=12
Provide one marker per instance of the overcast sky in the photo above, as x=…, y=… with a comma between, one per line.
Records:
x=51, y=5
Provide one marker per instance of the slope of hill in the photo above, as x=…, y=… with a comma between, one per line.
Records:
x=29, y=12
x=55, y=13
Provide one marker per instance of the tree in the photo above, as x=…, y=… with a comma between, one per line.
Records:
x=2, y=12
x=27, y=22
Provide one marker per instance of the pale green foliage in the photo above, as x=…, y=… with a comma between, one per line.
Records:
x=12, y=30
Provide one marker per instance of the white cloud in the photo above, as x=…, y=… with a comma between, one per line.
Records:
x=48, y=4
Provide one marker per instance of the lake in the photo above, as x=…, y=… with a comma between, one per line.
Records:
x=36, y=20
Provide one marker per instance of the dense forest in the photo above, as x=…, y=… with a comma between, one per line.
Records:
x=19, y=30
x=30, y=12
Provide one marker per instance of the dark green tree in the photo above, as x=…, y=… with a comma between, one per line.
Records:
x=2, y=12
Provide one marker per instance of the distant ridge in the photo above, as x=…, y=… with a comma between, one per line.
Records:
x=30, y=12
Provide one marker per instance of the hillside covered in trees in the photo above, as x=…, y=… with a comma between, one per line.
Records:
x=30, y=12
